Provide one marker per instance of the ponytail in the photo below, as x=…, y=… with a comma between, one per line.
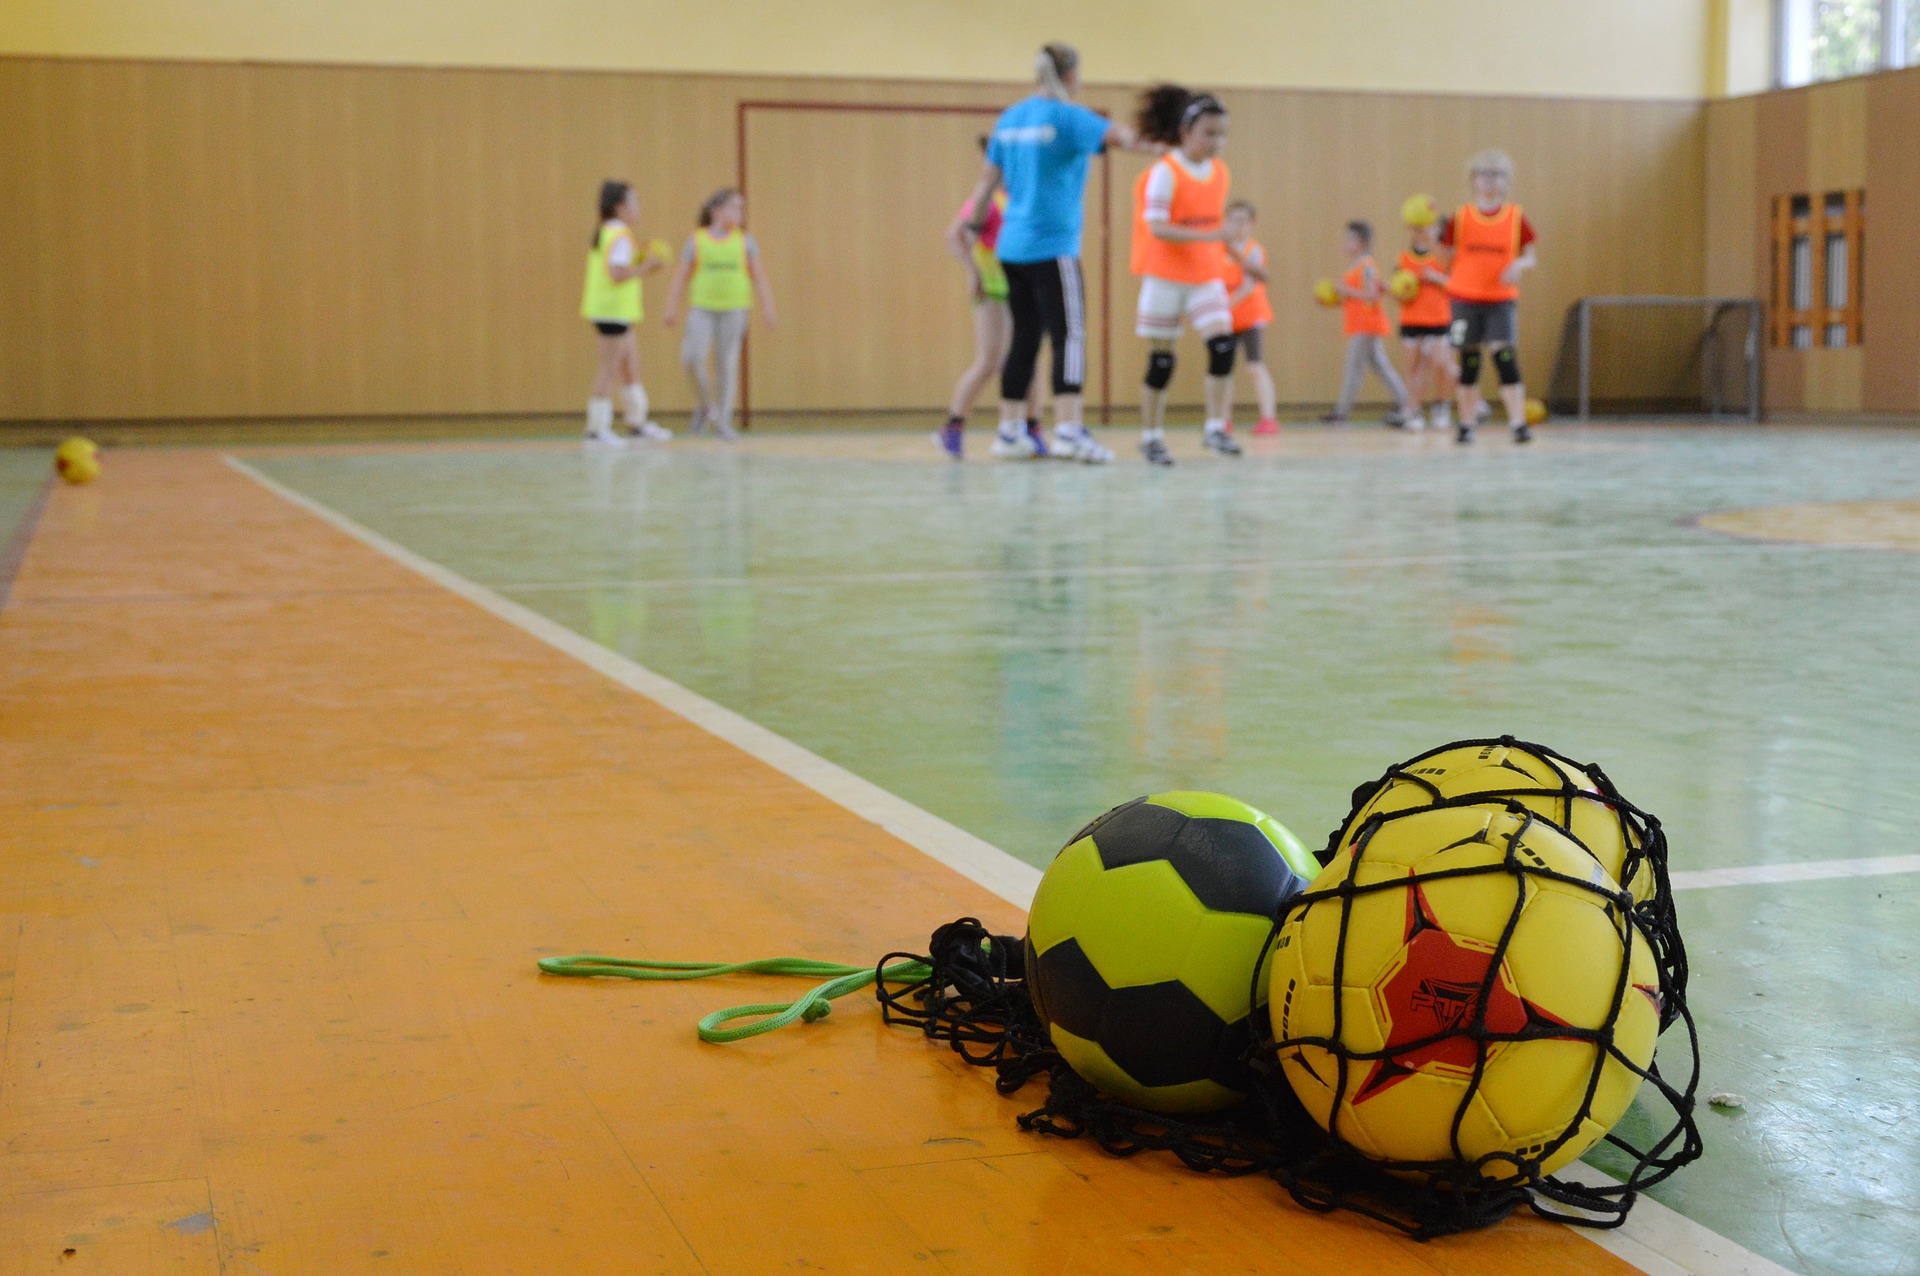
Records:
x=1167, y=111
x=612, y=195
x=1051, y=67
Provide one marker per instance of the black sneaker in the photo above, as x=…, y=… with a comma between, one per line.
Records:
x=1394, y=420
x=1222, y=442
x=1523, y=433
x=1464, y=434
x=1155, y=450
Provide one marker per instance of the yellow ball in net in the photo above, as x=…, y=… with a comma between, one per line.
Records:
x=1419, y=211
x=77, y=461
x=1325, y=293
x=1404, y=285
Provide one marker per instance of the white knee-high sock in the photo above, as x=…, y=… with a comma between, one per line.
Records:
x=635, y=395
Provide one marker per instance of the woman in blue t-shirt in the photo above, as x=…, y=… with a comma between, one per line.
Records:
x=1039, y=151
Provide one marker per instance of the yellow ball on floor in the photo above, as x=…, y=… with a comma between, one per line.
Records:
x=1325, y=293
x=77, y=461
x=1536, y=412
x=1404, y=285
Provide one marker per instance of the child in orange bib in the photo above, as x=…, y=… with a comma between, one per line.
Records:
x=1426, y=318
x=1367, y=329
x=1180, y=253
x=1492, y=247
x=1246, y=281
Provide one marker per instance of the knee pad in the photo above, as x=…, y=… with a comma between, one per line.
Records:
x=1470, y=366
x=1220, y=351
x=1159, y=369
x=1506, y=363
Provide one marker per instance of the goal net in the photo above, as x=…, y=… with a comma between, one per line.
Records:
x=1660, y=356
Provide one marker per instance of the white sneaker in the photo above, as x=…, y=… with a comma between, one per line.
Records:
x=1416, y=423
x=603, y=437
x=1019, y=448
x=651, y=430
x=1092, y=452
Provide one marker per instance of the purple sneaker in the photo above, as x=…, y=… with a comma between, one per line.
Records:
x=949, y=437
x=1039, y=440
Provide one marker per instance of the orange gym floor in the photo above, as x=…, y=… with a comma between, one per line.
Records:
x=285, y=829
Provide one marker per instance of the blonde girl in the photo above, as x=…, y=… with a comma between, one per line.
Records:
x=720, y=274
x=610, y=300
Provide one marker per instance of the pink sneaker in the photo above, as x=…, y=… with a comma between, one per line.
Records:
x=1267, y=426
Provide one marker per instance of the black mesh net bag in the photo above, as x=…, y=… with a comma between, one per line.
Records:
x=1465, y=1001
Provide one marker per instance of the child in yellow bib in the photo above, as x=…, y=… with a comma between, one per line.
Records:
x=719, y=276
x=610, y=300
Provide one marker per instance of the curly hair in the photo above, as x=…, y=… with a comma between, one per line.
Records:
x=1167, y=111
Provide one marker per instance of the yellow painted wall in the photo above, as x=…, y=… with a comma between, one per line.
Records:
x=1559, y=48
x=1739, y=47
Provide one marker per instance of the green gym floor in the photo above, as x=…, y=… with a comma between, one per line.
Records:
x=1016, y=648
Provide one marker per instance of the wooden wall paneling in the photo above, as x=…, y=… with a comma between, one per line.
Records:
x=1731, y=266
x=1837, y=135
x=1890, y=278
x=850, y=206
x=323, y=240
x=1780, y=168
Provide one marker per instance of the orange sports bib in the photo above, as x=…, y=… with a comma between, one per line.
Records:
x=1197, y=205
x=1484, y=245
x=1429, y=307
x=1254, y=309
x=1368, y=317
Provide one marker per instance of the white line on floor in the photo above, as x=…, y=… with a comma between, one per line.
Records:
x=1801, y=871
x=1163, y=569
x=1654, y=1238
x=977, y=860
x=1661, y=1242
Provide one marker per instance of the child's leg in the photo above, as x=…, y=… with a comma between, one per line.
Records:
x=695, y=347
x=1253, y=349
x=992, y=326
x=1153, y=388
x=1221, y=348
x=1513, y=392
x=730, y=333
x=1356, y=370
x=634, y=394
x=1383, y=365
x=606, y=376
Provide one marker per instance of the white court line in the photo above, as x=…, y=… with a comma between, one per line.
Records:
x=1661, y=1242
x=973, y=858
x=1657, y=1240
x=1802, y=871
x=1163, y=569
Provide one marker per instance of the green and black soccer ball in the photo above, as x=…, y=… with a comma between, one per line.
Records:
x=1144, y=941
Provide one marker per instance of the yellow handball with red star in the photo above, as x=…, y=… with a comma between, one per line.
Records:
x=1455, y=1006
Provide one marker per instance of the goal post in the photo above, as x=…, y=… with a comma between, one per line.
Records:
x=1664, y=356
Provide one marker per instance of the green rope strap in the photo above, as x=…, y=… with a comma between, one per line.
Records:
x=815, y=1003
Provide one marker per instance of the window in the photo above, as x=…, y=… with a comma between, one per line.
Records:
x=1816, y=269
x=1829, y=39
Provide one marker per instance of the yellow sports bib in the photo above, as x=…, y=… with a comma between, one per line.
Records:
x=720, y=279
x=601, y=298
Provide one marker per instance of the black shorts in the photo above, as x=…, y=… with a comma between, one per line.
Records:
x=1415, y=331
x=1477, y=322
x=1251, y=342
x=606, y=329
